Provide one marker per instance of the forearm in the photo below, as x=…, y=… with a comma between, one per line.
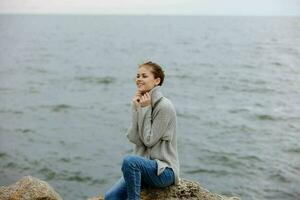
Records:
x=152, y=129
x=132, y=133
x=134, y=137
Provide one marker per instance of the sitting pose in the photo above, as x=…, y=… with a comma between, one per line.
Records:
x=153, y=131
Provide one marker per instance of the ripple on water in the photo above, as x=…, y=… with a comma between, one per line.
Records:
x=270, y=117
x=278, y=64
x=65, y=160
x=61, y=108
x=96, y=80
x=3, y=155
x=11, y=165
x=258, y=90
x=251, y=158
x=207, y=171
x=17, y=112
x=280, y=176
x=48, y=173
x=65, y=175
x=266, y=117
x=15, y=166
x=187, y=115
x=280, y=193
x=57, y=108
x=293, y=150
x=238, y=110
x=224, y=160
x=248, y=66
x=20, y=130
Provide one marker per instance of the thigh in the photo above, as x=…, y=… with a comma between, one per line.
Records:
x=117, y=191
x=148, y=169
x=166, y=178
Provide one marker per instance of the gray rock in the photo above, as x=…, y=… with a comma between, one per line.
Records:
x=29, y=188
x=186, y=190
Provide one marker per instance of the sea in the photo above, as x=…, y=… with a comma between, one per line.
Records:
x=67, y=81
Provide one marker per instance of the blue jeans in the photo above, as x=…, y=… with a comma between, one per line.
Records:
x=137, y=172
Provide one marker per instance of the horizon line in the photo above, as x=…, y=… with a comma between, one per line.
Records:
x=158, y=14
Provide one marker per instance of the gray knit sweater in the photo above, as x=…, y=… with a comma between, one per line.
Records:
x=153, y=131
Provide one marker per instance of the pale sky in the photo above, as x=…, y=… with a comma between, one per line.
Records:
x=154, y=7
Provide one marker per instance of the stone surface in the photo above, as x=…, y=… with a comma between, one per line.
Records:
x=29, y=188
x=186, y=190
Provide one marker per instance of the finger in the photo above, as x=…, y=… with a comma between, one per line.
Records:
x=136, y=98
x=147, y=96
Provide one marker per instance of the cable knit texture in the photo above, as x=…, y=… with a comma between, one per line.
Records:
x=153, y=131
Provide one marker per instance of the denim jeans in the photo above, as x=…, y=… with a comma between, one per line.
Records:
x=138, y=172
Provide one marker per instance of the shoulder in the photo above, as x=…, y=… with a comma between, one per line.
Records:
x=166, y=105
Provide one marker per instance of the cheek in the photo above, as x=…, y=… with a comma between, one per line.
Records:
x=150, y=82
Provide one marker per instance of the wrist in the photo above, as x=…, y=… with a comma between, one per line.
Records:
x=145, y=105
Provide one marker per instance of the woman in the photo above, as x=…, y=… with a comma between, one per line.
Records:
x=153, y=131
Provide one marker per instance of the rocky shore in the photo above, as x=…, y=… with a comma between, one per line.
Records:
x=31, y=188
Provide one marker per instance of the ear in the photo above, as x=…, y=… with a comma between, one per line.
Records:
x=157, y=81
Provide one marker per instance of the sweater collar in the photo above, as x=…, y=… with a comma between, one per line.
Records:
x=156, y=94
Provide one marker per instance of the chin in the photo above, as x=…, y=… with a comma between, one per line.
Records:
x=143, y=91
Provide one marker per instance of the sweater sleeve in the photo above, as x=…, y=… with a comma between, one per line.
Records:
x=132, y=132
x=159, y=129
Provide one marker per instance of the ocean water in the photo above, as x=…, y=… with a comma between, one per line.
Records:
x=66, y=83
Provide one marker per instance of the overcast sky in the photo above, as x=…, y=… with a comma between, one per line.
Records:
x=153, y=7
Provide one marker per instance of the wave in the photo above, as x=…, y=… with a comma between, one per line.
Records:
x=57, y=108
x=207, y=171
x=25, y=130
x=65, y=175
x=278, y=64
x=238, y=110
x=3, y=155
x=252, y=158
x=96, y=80
x=61, y=107
x=258, y=90
x=274, y=118
x=265, y=117
x=187, y=115
x=280, y=176
x=293, y=150
x=17, y=112
x=5, y=89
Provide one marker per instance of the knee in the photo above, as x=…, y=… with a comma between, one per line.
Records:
x=129, y=162
x=108, y=196
x=111, y=195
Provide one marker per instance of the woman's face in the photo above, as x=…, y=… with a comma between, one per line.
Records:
x=145, y=80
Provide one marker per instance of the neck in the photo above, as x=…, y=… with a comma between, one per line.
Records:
x=144, y=92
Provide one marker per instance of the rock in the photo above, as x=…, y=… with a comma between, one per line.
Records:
x=97, y=198
x=186, y=190
x=29, y=188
